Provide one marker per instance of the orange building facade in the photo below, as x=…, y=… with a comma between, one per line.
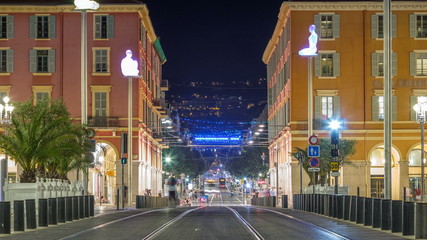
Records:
x=347, y=79
x=40, y=48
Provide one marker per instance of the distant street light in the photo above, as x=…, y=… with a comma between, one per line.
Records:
x=168, y=159
x=263, y=157
x=420, y=109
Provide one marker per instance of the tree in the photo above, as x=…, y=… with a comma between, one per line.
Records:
x=249, y=164
x=43, y=140
x=183, y=160
x=346, y=149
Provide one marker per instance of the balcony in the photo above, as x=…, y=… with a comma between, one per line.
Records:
x=103, y=122
x=164, y=85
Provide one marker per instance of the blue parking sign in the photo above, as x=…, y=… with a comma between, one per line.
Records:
x=313, y=151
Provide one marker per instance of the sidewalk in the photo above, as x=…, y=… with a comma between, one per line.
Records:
x=109, y=209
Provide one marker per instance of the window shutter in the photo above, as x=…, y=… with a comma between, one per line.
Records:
x=33, y=62
x=412, y=27
x=110, y=26
x=394, y=108
x=374, y=26
x=337, y=107
x=412, y=64
x=393, y=25
x=375, y=108
x=317, y=107
x=317, y=66
x=97, y=26
x=51, y=61
x=336, y=25
x=10, y=59
x=394, y=64
x=52, y=26
x=336, y=59
x=33, y=27
x=317, y=23
x=10, y=33
x=374, y=64
x=414, y=100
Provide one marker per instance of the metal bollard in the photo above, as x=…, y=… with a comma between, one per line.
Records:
x=385, y=214
x=69, y=208
x=30, y=212
x=284, y=201
x=5, y=217
x=331, y=205
x=376, y=212
x=61, y=209
x=138, y=201
x=91, y=206
x=420, y=220
x=326, y=205
x=321, y=204
x=340, y=206
x=86, y=205
x=408, y=219
x=359, y=209
x=367, y=212
x=81, y=207
x=53, y=211
x=396, y=215
x=18, y=216
x=43, y=212
x=353, y=202
x=335, y=206
x=346, y=207
x=76, y=211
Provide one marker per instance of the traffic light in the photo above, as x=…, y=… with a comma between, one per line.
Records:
x=124, y=160
x=124, y=143
x=335, y=152
x=335, y=137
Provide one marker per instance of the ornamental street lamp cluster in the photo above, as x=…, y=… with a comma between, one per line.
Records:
x=421, y=109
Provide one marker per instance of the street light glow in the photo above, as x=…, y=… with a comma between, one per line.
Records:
x=86, y=5
x=334, y=124
x=168, y=159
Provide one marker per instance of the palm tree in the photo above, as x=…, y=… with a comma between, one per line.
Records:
x=41, y=137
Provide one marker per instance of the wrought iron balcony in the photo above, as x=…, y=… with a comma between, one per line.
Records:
x=164, y=85
x=103, y=122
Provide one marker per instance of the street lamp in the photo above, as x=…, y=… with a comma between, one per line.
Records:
x=263, y=157
x=83, y=6
x=420, y=109
x=5, y=120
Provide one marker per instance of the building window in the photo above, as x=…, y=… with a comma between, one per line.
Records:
x=378, y=107
x=101, y=60
x=377, y=25
x=327, y=64
x=41, y=93
x=327, y=25
x=6, y=27
x=418, y=64
x=42, y=26
x=42, y=60
x=100, y=104
x=418, y=25
x=6, y=60
x=378, y=64
x=104, y=26
x=327, y=107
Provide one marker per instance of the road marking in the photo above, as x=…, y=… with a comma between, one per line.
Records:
x=251, y=229
x=164, y=226
x=305, y=222
x=213, y=196
x=106, y=224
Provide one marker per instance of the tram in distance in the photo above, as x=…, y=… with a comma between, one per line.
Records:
x=222, y=182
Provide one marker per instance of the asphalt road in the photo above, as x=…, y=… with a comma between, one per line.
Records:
x=208, y=222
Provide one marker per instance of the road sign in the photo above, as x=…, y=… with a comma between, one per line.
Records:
x=314, y=162
x=313, y=140
x=313, y=151
x=335, y=174
x=314, y=169
x=334, y=166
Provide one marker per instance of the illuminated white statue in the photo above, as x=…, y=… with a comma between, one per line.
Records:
x=129, y=66
x=86, y=4
x=312, y=43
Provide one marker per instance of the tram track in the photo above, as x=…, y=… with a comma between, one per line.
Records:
x=251, y=229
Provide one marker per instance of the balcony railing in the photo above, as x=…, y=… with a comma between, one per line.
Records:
x=103, y=122
x=164, y=85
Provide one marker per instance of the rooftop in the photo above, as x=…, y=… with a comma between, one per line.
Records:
x=63, y=2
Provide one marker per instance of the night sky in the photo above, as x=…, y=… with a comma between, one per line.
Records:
x=209, y=41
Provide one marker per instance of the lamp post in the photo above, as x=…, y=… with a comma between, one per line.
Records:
x=420, y=109
x=5, y=120
x=335, y=125
x=83, y=6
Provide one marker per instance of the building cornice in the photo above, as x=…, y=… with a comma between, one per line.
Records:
x=354, y=6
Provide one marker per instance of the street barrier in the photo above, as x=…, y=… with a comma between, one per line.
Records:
x=92, y=205
x=81, y=207
x=385, y=214
x=346, y=207
x=69, y=208
x=30, y=213
x=18, y=216
x=420, y=220
x=367, y=212
x=284, y=201
x=76, y=211
x=408, y=219
x=353, y=202
x=5, y=217
x=359, y=209
x=151, y=202
x=43, y=212
x=61, y=209
x=396, y=215
x=340, y=206
x=376, y=213
x=52, y=211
